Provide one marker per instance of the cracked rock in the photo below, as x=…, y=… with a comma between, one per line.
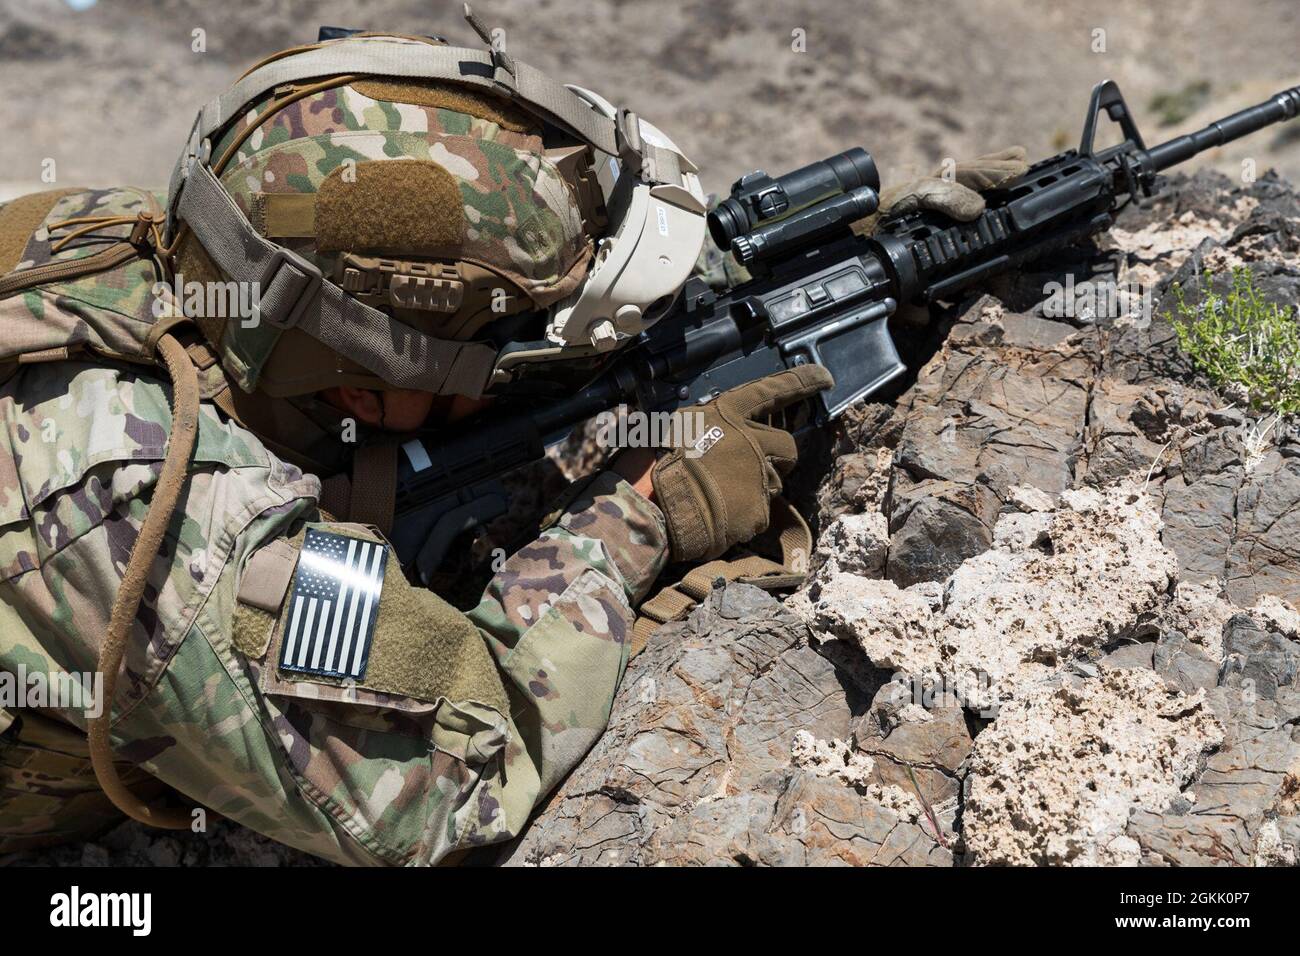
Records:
x=698, y=764
x=853, y=543
x=1241, y=810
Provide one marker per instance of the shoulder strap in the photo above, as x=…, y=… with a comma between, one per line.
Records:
x=336, y=497
x=65, y=270
x=674, y=602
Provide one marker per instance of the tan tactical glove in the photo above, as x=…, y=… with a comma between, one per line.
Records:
x=957, y=194
x=717, y=492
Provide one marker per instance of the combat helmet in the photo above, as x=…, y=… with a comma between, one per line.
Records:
x=416, y=215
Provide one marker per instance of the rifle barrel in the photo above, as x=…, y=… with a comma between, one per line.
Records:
x=1283, y=106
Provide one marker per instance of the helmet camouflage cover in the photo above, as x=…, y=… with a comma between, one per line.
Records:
x=440, y=204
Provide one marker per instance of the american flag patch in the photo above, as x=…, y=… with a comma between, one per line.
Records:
x=334, y=605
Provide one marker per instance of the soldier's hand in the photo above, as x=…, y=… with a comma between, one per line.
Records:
x=952, y=190
x=717, y=491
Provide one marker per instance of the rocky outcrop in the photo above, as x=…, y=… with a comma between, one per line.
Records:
x=727, y=746
x=1014, y=397
x=1242, y=808
x=1051, y=616
x=1001, y=405
x=1057, y=585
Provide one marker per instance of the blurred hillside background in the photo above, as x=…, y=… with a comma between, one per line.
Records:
x=108, y=89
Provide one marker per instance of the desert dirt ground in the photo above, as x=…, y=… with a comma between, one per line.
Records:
x=108, y=92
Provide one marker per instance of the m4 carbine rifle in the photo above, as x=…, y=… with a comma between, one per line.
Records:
x=819, y=293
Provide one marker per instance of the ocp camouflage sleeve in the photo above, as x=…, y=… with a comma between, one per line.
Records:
x=558, y=618
x=456, y=729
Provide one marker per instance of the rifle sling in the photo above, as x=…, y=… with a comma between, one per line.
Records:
x=373, y=494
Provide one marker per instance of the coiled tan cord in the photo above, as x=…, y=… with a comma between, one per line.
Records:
x=180, y=447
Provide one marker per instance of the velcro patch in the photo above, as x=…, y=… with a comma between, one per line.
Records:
x=391, y=206
x=285, y=215
x=334, y=605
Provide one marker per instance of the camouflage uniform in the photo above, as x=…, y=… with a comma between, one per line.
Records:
x=462, y=723
x=350, y=773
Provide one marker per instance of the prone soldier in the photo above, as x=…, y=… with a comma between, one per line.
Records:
x=209, y=542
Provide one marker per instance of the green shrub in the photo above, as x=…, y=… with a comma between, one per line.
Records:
x=1243, y=343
